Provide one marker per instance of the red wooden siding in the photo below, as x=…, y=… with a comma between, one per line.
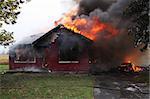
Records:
x=52, y=62
x=54, y=65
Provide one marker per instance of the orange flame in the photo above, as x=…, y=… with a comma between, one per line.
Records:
x=136, y=68
x=88, y=27
x=132, y=57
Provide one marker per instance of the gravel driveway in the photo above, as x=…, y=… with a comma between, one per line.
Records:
x=121, y=86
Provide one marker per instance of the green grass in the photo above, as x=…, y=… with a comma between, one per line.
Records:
x=46, y=86
x=3, y=68
x=43, y=86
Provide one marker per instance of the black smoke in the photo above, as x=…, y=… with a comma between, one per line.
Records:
x=87, y=6
x=111, y=52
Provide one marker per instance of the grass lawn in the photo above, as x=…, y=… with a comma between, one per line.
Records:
x=45, y=86
x=3, y=68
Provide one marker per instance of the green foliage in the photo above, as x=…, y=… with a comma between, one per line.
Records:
x=138, y=11
x=9, y=10
x=6, y=37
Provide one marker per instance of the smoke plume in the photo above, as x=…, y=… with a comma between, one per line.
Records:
x=110, y=52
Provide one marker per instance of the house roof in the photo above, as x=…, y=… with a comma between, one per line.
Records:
x=30, y=39
x=34, y=39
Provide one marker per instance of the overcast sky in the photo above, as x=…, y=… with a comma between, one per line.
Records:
x=38, y=16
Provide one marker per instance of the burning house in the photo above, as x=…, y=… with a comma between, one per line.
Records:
x=68, y=47
x=60, y=49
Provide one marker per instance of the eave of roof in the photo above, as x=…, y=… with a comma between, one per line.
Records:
x=48, y=33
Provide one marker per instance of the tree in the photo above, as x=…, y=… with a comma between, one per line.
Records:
x=9, y=10
x=138, y=12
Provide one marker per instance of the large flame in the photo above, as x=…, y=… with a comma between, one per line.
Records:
x=88, y=27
